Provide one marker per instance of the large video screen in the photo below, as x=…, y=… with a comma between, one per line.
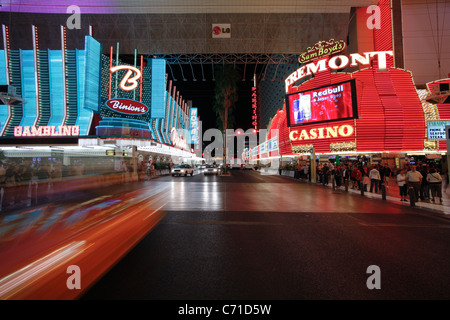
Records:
x=330, y=103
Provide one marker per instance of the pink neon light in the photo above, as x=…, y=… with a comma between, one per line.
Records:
x=47, y=131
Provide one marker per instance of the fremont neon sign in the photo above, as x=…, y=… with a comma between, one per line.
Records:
x=47, y=131
x=345, y=130
x=338, y=62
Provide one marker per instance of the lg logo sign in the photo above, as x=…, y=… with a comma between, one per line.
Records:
x=221, y=30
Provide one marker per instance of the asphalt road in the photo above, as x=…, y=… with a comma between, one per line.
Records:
x=255, y=237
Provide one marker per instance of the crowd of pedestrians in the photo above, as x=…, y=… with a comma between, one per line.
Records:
x=20, y=181
x=422, y=180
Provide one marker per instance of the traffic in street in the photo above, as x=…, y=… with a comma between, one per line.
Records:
x=253, y=236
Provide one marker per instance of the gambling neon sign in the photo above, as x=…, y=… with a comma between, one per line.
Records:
x=47, y=131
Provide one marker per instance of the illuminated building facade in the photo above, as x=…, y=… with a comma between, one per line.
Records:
x=385, y=115
x=81, y=93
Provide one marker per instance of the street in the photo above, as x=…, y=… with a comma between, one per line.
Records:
x=256, y=237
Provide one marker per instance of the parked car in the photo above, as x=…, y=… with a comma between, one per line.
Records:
x=211, y=169
x=183, y=169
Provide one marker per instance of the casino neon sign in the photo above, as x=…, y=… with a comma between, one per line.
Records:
x=345, y=130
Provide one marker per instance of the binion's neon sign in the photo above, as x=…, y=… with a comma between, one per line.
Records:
x=128, y=83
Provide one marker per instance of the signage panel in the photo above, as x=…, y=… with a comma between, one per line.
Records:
x=321, y=49
x=47, y=131
x=221, y=30
x=342, y=131
x=330, y=103
x=194, y=127
x=436, y=129
x=127, y=106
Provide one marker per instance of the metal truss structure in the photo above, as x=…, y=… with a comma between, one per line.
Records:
x=231, y=58
x=205, y=63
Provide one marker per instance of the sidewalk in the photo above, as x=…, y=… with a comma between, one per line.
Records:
x=393, y=195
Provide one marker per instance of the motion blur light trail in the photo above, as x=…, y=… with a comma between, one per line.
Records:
x=38, y=245
x=15, y=282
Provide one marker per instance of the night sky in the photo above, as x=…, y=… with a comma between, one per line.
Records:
x=202, y=95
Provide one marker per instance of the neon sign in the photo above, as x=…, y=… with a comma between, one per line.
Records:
x=127, y=106
x=336, y=63
x=345, y=130
x=47, y=131
x=321, y=49
x=254, y=108
x=127, y=83
x=177, y=140
x=194, y=126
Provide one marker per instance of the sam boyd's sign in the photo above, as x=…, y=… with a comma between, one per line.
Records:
x=322, y=49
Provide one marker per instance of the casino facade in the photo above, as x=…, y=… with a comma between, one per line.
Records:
x=73, y=103
x=357, y=105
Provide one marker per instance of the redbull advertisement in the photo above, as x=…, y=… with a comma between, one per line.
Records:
x=334, y=102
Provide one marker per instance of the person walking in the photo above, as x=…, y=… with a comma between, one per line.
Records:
x=401, y=180
x=434, y=180
x=424, y=187
x=375, y=178
x=414, y=179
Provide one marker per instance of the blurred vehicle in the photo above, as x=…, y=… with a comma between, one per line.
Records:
x=235, y=166
x=183, y=169
x=41, y=245
x=211, y=169
x=248, y=166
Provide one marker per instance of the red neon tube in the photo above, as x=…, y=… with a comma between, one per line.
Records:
x=110, y=66
x=142, y=76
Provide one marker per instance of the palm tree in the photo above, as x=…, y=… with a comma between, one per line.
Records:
x=225, y=98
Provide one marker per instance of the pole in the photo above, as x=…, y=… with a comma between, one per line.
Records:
x=313, y=165
x=134, y=159
x=110, y=67
x=383, y=191
x=117, y=63
x=412, y=196
x=135, y=64
x=225, y=142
